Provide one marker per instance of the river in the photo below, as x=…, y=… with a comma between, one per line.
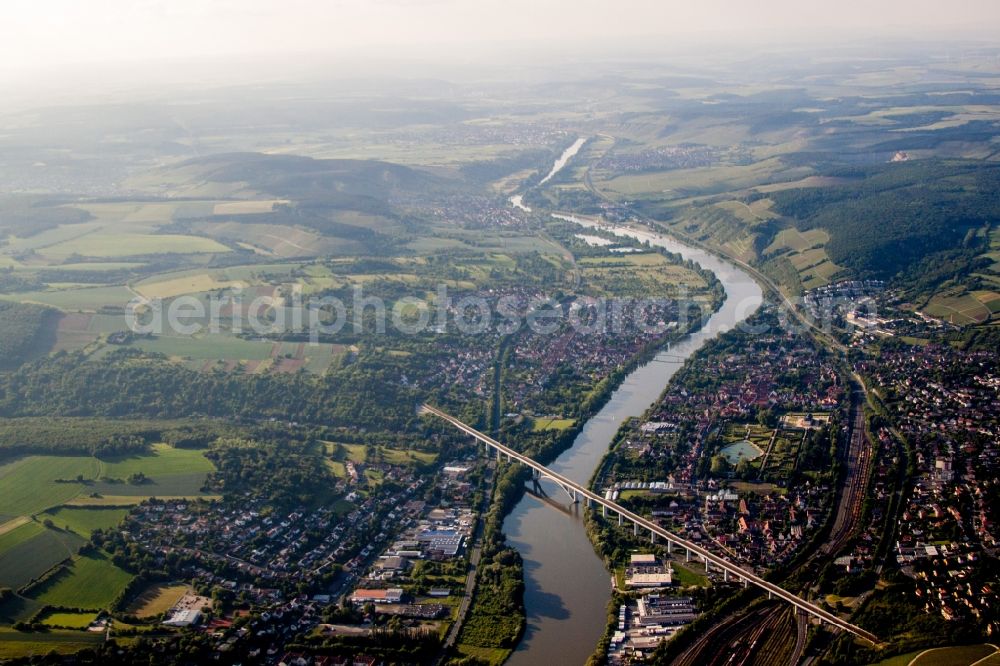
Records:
x=517, y=201
x=566, y=586
x=564, y=158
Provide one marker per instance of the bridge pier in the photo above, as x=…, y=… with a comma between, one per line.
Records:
x=688, y=556
x=725, y=575
x=708, y=566
x=670, y=547
x=619, y=520
x=652, y=536
x=604, y=511
x=635, y=529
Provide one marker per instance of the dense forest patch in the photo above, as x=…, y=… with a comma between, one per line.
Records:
x=22, y=332
x=890, y=217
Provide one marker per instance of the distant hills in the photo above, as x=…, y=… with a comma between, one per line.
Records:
x=886, y=219
x=364, y=202
x=334, y=182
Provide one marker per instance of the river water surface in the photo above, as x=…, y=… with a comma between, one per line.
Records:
x=566, y=586
x=564, y=158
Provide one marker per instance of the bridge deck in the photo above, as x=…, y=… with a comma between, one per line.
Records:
x=653, y=528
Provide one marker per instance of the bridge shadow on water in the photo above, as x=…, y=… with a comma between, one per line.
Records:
x=562, y=505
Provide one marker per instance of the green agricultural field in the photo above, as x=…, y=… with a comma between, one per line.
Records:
x=28, y=485
x=112, y=244
x=171, y=485
x=40, y=549
x=138, y=213
x=91, y=582
x=169, y=472
x=707, y=180
x=278, y=241
x=753, y=213
x=320, y=356
x=173, y=285
x=93, y=266
x=207, y=347
x=18, y=530
x=68, y=620
x=15, y=644
x=960, y=309
x=246, y=207
x=162, y=460
x=87, y=299
x=54, y=236
x=84, y=521
x=121, y=501
x=631, y=260
x=637, y=275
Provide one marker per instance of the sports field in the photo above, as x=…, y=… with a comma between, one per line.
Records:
x=156, y=599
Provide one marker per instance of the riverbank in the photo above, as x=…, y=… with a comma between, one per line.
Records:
x=567, y=586
x=497, y=620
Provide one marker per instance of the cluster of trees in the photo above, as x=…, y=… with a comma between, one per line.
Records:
x=487, y=171
x=890, y=217
x=11, y=282
x=324, y=190
x=128, y=383
x=287, y=473
x=496, y=618
x=21, y=332
x=28, y=215
x=104, y=437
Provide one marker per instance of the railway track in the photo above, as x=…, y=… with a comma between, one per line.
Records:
x=736, y=643
x=858, y=458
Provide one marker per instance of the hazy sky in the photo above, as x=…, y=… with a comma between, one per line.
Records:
x=40, y=34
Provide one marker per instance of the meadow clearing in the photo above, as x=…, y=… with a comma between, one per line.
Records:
x=52, y=504
x=15, y=644
x=90, y=581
